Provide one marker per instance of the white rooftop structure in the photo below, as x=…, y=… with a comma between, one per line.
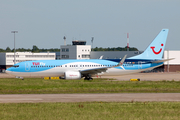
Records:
x=7, y=59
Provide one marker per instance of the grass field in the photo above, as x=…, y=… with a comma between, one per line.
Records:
x=91, y=111
x=39, y=85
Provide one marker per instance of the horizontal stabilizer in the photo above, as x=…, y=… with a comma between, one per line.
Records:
x=159, y=61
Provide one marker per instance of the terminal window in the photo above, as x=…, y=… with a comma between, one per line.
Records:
x=65, y=50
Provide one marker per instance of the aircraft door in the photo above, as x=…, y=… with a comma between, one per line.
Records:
x=27, y=66
x=139, y=64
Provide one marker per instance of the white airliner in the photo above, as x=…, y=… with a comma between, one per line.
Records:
x=77, y=69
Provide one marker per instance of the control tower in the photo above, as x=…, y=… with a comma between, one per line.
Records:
x=78, y=50
x=78, y=42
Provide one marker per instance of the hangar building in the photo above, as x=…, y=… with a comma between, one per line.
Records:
x=172, y=65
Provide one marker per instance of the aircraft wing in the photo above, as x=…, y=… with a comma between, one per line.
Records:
x=159, y=61
x=102, y=69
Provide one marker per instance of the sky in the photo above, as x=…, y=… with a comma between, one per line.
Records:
x=44, y=23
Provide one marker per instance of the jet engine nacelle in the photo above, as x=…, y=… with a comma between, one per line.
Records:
x=72, y=75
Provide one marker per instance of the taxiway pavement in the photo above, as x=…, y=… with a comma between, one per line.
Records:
x=115, y=97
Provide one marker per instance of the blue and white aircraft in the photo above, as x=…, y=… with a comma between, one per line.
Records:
x=77, y=69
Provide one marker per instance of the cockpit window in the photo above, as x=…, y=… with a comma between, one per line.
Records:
x=15, y=66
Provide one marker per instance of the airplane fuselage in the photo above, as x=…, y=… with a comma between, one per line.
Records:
x=59, y=67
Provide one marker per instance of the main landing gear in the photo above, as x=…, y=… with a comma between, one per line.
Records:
x=88, y=78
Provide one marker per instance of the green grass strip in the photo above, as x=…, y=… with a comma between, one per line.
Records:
x=91, y=111
x=41, y=86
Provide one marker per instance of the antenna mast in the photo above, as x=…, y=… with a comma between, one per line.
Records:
x=64, y=40
x=127, y=41
x=92, y=41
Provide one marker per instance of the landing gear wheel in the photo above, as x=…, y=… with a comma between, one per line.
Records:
x=88, y=78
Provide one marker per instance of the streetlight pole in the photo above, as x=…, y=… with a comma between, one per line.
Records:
x=14, y=46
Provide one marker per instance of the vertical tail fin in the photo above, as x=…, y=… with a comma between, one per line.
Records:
x=156, y=48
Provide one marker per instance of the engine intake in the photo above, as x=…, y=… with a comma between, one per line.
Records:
x=72, y=75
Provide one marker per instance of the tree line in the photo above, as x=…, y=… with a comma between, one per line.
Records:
x=36, y=49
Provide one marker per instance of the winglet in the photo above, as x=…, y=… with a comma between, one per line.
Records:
x=122, y=61
x=101, y=57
